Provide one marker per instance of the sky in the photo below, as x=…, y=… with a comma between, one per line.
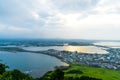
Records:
x=68, y=19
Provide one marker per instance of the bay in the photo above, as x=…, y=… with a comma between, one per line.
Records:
x=33, y=64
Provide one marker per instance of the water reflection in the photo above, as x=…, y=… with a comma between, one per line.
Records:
x=85, y=49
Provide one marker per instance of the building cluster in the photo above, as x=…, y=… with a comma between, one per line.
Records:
x=110, y=60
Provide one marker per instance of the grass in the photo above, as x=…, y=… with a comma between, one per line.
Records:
x=101, y=73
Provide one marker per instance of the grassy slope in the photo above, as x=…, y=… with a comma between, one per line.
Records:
x=100, y=73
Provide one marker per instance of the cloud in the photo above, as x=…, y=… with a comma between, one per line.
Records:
x=108, y=6
x=74, y=5
x=90, y=19
x=21, y=12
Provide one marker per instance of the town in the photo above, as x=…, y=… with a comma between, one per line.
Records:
x=110, y=60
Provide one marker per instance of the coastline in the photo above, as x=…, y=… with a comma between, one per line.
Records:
x=16, y=49
x=98, y=60
x=67, y=64
x=41, y=64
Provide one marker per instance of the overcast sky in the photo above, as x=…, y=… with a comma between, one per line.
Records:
x=76, y=19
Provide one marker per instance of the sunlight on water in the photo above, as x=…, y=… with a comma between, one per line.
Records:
x=85, y=49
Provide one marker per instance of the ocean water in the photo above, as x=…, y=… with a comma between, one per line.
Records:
x=86, y=49
x=33, y=48
x=109, y=44
x=33, y=64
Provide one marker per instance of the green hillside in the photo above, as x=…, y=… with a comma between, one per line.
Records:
x=100, y=73
x=76, y=71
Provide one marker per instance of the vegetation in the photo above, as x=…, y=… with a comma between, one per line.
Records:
x=12, y=75
x=2, y=68
x=83, y=72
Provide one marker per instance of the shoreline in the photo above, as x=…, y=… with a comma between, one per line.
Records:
x=59, y=64
x=42, y=52
x=67, y=64
x=99, y=60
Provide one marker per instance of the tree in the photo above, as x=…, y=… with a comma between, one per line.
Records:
x=15, y=75
x=2, y=68
x=57, y=75
x=12, y=75
x=88, y=78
